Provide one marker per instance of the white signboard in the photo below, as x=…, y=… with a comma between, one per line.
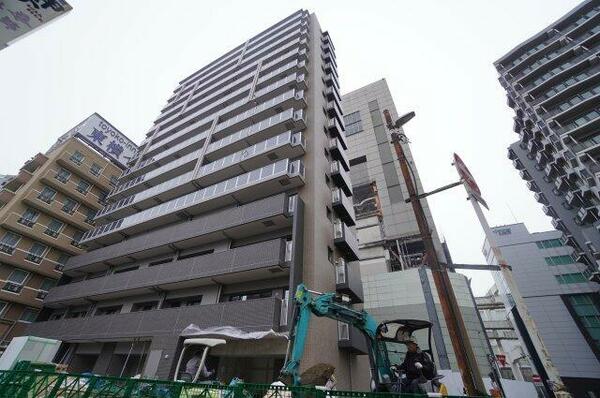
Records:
x=19, y=17
x=103, y=137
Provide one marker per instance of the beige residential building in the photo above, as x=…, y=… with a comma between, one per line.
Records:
x=44, y=210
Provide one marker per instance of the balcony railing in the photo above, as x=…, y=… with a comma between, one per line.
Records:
x=341, y=177
x=343, y=206
x=345, y=239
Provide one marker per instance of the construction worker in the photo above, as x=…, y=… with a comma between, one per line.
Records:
x=417, y=367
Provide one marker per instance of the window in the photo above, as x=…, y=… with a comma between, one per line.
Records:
x=89, y=215
x=77, y=235
x=29, y=217
x=36, y=252
x=76, y=314
x=559, y=260
x=114, y=180
x=15, y=281
x=109, y=310
x=95, y=169
x=56, y=316
x=54, y=227
x=145, y=306
x=195, y=254
x=63, y=175
x=353, y=123
x=102, y=197
x=77, y=158
x=546, y=244
x=9, y=242
x=182, y=302
x=126, y=269
x=61, y=261
x=69, y=206
x=358, y=160
x=507, y=373
x=576, y=277
x=250, y=296
x=83, y=186
x=29, y=315
x=47, y=195
x=47, y=284
x=503, y=231
x=3, y=305
x=588, y=312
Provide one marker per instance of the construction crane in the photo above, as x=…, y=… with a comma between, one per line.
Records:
x=385, y=376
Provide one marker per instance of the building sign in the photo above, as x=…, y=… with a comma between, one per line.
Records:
x=468, y=180
x=20, y=17
x=103, y=137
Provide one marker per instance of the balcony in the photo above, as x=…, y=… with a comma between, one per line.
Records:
x=271, y=179
x=338, y=153
x=533, y=186
x=334, y=111
x=559, y=225
x=587, y=215
x=345, y=240
x=540, y=198
x=348, y=281
x=569, y=240
x=525, y=175
x=518, y=164
x=250, y=315
x=549, y=211
x=343, y=206
x=337, y=129
x=332, y=94
x=573, y=198
x=37, y=233
x=340, y=177
x=351, y=339
x=258, y=261
x=230, y=223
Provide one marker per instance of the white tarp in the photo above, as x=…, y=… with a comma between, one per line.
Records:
x=229, y=333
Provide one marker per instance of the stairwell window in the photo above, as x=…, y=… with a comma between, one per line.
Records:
x=47, y=195
x=14, y=282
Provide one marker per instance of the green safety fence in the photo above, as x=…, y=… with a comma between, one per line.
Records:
x=41, y=384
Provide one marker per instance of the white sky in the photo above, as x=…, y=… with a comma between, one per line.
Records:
x=122, y=59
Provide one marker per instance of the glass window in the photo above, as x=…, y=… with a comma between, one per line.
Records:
x=110, y=310
x=3, y=305
x=29, y=217
x=29, y=315
x=546, y=244
x=77, y=157
x=250, y=296
x=559, y=260
x=54, y=227
x=114, y=180
x=102, y=197
x=77, y=235
x=353, y=123
x=15, y=281
x=63, y=175
x=83, y=186
x=576, y=277
x=89, y=215
x=9, y=241
x=146, y=306
x=47, y=284
x=587, y=309
x=61, y=261
x=47, y=194
x=69, y=205
x=95, y=169
x=36, y=252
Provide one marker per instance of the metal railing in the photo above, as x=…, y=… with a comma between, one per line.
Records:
x=41, y=384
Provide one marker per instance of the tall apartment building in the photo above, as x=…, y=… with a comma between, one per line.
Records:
x=395, y=283
x=44, y=211
x=553, y=84
x=240, y=191
x=563, y=303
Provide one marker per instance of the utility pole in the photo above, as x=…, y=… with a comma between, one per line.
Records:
x=456, y=328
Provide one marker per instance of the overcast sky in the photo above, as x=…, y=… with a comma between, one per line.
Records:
x=122, y=59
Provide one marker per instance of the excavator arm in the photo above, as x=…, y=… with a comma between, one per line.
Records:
x=329, y=305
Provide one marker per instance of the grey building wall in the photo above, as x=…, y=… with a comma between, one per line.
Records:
x=539, y=281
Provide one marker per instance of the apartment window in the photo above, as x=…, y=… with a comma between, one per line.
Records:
x=576, y=277
x=9, y=242
x=83, y=186
x=29, y=315
x=76, y=314
x=61, y=261
x=3, y=305
x=63, y=175
x=54, y=227
x=95, y=169
x=77, y=235
x=114, y=180
x=102, y=197
x=47, y=195
x=47, y=284
x=182, y=302
x=89, y=215
x=77, y=157
x=559, y=260
x=69, y=206
x=109, y=310
x=29, y=217
x=250, y=296
x=588, y=312
x=353, y=123
x=15, y=281
x=546, y=244
x=145, y=306
x=36, y=252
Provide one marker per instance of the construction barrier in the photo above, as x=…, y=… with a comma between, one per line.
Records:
x=40, y=384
